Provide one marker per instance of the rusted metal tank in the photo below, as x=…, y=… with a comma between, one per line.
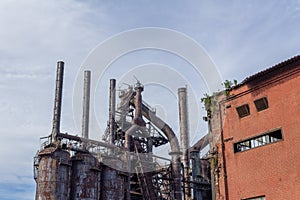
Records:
x=85, y=177
x=112, y=182
x=53, y=178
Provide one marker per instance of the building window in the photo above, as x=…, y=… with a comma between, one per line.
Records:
x=261, y=104
x=256, y=198
x=243, y=110
x=258, y=141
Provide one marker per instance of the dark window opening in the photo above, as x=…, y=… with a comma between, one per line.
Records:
x=262, y=140
x=261, y=104
x=256, y=198
x=243, y=110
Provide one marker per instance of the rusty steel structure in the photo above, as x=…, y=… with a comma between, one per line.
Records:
x=57, y=100
x=53, y=180
x=123, y=166
x=85, y=176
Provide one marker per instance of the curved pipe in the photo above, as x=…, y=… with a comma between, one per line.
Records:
x=131, y=131
x=198, y=146
x=175, y=149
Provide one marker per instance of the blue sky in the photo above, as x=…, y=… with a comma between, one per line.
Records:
x=240, y=37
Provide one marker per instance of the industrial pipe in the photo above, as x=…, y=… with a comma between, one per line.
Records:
x=84, y=140
x=138, y=118
x=136, y=124
x=195, y=174
x=112, y=110
x=198, y=146
x=57, y=101
x=184, y=138
x=175, y=150
x=86, y=105
x=137, y=121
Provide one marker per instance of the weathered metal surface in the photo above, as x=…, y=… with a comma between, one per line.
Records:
x=144, y=165
x=174, y=144
x=53, y=179
x=112, y=110
x=137, y=122
x=138, y=118
x=195, y=174
x=86, y=104
x=112, y=182
x=201, y=177
x=85, y=177
x=184, y=138
x=58, y=179
x=145, y=179
x=200, y=144
x=87, y=141
x=57, y=100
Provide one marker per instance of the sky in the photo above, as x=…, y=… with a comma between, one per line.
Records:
x=240, y=37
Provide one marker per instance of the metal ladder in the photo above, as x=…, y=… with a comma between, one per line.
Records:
x=142, y=178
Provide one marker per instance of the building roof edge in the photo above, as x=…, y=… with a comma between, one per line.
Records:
x=268, y=70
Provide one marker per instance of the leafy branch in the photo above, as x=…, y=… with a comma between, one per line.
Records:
x=228, y=85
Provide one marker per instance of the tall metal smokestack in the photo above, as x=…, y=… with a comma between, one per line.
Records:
x=57, y=100
x=184, y=136
x=86, y=104
x=112, y=112
x=112, y=109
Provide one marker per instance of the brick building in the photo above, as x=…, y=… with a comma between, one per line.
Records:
x=256, y=136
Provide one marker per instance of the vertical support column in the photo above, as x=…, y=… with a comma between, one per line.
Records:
x=112, y=110
x=184, y=138
x=57, y=100
x=86, y=105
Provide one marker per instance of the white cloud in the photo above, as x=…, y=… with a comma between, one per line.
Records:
x=34, y=34
x=38, y=30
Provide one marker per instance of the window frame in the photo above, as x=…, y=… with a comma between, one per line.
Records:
x=262, y=197
x=265, y=101
x=246, y=105
x=267, y=138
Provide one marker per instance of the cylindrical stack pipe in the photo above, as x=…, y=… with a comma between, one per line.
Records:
x=57, y=100
x=112, y=110
x=138, y=117
x=184, y=137
x=137, y=121
x=53, y=177
x=86, y=105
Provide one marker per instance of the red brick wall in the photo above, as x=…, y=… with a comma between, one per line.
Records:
x=272, y=170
